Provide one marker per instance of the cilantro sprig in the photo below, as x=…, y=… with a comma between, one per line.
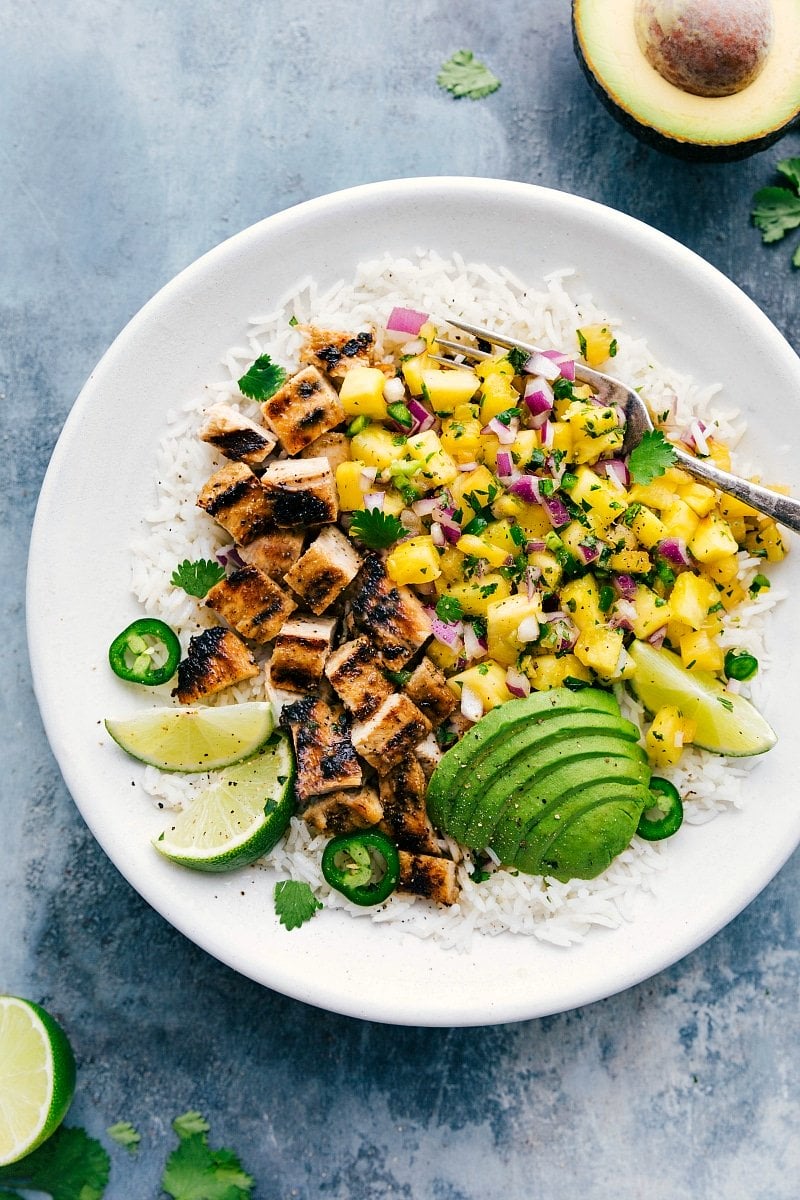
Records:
x=124, y=1134
x=263, y=379
x=375, y=528
x=295, y=903
x=194, y=1171
x=70, y=1165
x=198, y=577
x=464, y=75
x=777, y=209
x=651, y=457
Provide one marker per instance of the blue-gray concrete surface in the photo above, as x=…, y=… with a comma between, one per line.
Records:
x=134, y=136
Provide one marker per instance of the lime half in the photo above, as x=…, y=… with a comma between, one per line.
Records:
x=726, y=723
x=241, y=815
x=37, y=1077
x=194, y=739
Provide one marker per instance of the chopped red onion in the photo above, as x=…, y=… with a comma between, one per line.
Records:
x=471, y=704
x=625, y=585
x=617, y=471
x=556, y=510
x=675, y=552
x=423, y=419
x=657, y=638
x=542, y=364
x=547, y=434
x=374, y=500
x=531, y=575
x=526, y=487
x=367, y=477
x=517, y=683
x=535, y=545
x=470, y=466
x=547, y=618
x=447, y=632
x=589, y=552
x=505, y=434
x=230, y=557
x=734, y=686
x=406, y=320
x=695, y=437
x=528, y=629
x=624, y=614
x=504, y=463
x=425, y=506
x=474, y=646
x=437, y=535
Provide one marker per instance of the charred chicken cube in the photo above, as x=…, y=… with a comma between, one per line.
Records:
x=252, y=603
x=329, y=564
x=342, y=812
x=302, y=492
x=236, y=436
x=236, y=500
x=391, y=733
x=429, y=690
x=402, y=796
x=356, y=673
x=335, y=351
x=389, y=613
x=216, y=659
x=274, y=553
x=300, y=652
x=429, y=876
x=305, y=407
x=326, y=760
x=333, y=446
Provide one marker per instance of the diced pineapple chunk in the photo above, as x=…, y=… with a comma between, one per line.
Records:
x=598, y=498
x=478, y=547
x=547, y=671
x=531, y=518
x=589, y=450
x=698, y=496
x=581, y=599
x=444, y=658
x=691, y=598
x=348, y=485
x=719, y=454
x=667, y=736
x=652, y=612
x=361, y=393
x=723, y=570
x=630, y=562
x=445, y=389
x=766, y=542
x=412, y=370
x=475, y=595
x=499, y=534
x=415, y=560
x=597, y=344
x=452, y=563
x=700, y=652
x=549, y=566
x=656, y=494
x=378, y=447
x=512, y=623
x=649, y=529
x=487, y=680
x=712, y=539
x=601, y=649
x=436, y=465
x=461, y=438
x=497, y=395
x=479, y=484
x=680, y=520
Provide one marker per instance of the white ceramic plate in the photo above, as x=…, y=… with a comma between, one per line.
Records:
x=100, y=480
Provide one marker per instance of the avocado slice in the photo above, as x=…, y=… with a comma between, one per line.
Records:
x=537, y=842
x=459, y=763
x=710, y=127
x=514, y=827
x=590, y=840
x=505, y=771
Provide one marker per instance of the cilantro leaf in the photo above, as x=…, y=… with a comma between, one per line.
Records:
x=464, y=75
x=651, y=457
x=295, y=903
x=124, y=1134
x=375, y=528
x=790, y=167
x=197, y=578
x=196, y=1172
x=448, y=608
x=777, y=210
x=70, y=1165
x=263, y=379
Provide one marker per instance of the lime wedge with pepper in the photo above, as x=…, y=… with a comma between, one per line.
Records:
x=194, y=739
x=37, y=1077
x=239, y=817
x=726, y=723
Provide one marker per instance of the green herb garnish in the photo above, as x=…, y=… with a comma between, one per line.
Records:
x=449, y=609
x=198, y=577
x=263, y=379
x=196, y=1172
x=124, y=1134
x=651, y=457
x=777, y=209
x=295, y=903
x=375, y=528
x=463, y=75
x=70, y=1165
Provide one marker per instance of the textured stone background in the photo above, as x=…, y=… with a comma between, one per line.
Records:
x=134, y=136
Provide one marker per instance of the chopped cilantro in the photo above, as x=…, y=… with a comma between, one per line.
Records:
x=582, y=346
x=777, y=209
x=507, y=415
x=463, y=75
x=70, y=1165
x=651, y=457
x=196, y=1172
x=398, y=678
x=295, y=903
x=448, y=608
x=375, y=528
x=760, y=584
x=198, y=577
x=726, y=703
x=293, y=321
x=263, y=379
x=517, y=358
x=124, y=1134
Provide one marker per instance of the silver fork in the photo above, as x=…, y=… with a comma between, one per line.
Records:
x=612, y=392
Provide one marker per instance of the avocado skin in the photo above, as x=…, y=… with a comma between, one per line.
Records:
x=688, y=151
x=518, y=754
x=534, y=767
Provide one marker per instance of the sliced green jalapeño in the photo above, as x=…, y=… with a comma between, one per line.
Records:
x=364, y=867
x=668, y=806
x=147, y=651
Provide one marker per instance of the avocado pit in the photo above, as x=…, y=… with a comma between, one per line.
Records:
x=706, y=47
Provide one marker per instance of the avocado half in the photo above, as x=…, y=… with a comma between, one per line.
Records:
x=703, y=128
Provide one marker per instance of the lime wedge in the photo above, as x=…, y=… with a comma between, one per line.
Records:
x=37, y=1077
x=726, y=723
x=194, y=739
x=239, y=817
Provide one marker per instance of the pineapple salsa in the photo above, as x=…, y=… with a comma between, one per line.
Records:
x=544, y=557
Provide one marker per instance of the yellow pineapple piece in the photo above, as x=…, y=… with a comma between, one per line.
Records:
x=498, y=533
x=598, y=498
x=377, y=446
x=445, y=389
x=547, y=671
x=461, y=439
x=630, y=562
x=361, y=393
x=658, y=494
x=597, y=344
x=549, y=566
x=719, y=454
x=480, y=484
x=478, y=547
x=652, y=612
x=698, y=496
x=435, y=465
x=498, y=394
x=601, y=649
x=722, y=570
x=581, y=599
x=415, y=560
x=712, y=539
x=451, y=562
x=667, y=736
x=444, y=658
x=511, y=623
x=487, y=680
x=649, y=529
x=691, y=598
x=476, y=594
x=412, y=370
x=348, y=485
x=767, y=542
x=700, y=652
x=680, y=520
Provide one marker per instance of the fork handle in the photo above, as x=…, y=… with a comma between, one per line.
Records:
x=784, y=509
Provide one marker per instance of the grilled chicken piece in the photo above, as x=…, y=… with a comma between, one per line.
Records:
x=252, y=603
x=324, y=571
x=342, y=812
x=335, y=351
x=305, y=407
x=300, y=652
x=333, y=446
x=391, y=733
x=356, y=673
x=216, y=659
x=326, y=760
x=236, y=436
x=428, y=754
x=429, y=690
x=274, y=553
x=234, y=497
x=429, y=876
x=389, y=613
x=301, y=491
x=402, y=794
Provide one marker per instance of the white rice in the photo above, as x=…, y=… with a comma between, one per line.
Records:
x=559, y=913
